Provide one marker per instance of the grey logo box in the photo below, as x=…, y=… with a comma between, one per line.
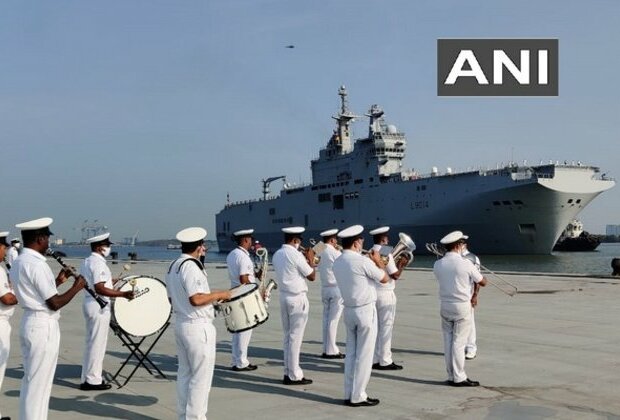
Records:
x=510, y=67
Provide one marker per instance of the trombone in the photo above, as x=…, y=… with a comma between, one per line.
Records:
x=505, y=286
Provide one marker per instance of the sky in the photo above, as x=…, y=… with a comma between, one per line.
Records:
x=145, y=114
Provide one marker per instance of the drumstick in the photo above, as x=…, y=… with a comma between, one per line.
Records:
x=126, y=267
x=90, y=291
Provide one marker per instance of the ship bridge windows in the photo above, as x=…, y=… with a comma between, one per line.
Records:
x=358, y=181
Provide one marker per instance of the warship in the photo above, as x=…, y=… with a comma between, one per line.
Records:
x=512, y=209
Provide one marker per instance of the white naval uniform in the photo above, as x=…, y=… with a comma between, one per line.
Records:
x=239, y=263
x=356, y=276
x=471, y=346
x=39, y=332
x=11, y=255
x=332, y=301
x=455, y=274
x=386, y=313
x=95, y=270
x=291, y=269
x=195, y=338
x=5, y=326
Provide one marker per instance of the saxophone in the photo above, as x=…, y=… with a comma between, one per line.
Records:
x=265, y=286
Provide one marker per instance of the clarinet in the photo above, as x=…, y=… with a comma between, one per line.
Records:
x=90, y=291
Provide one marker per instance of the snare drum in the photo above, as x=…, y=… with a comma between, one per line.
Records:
x=145, y=314
x=244, y=310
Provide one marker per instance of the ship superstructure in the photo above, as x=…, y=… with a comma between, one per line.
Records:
x=515, y=209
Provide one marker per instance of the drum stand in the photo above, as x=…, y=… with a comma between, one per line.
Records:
x=135, y=352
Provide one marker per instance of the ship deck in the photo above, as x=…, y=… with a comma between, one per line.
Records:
x=550, y=351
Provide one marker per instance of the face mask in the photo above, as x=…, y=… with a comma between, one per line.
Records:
x=296, y=245
x=105, y=251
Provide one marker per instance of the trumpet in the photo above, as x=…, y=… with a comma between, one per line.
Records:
x=505, y=286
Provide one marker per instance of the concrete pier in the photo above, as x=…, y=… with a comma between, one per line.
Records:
x=551, y=351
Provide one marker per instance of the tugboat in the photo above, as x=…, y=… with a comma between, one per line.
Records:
x=575, y=239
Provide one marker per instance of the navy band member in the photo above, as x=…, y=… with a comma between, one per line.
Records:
x=455, y=274
x=292, y=270
x=330, y=294
x=13, y=252
x=99, y=278
x=386, y=304
x=192, y=300
x=471, y=349
x=356, y=276
x=7, y=307
x=241, y=271
x=36, y=291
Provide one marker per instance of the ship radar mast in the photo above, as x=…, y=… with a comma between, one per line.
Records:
x=376, y=120
x=341, y=139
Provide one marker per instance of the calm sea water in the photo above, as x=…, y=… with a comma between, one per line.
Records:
x=597, y=262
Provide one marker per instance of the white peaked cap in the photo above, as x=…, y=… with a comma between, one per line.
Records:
x=379, y=230
x=192, y=234
x=330, y=232
x=244, y=232
x=4, y=234
x=35, y=224
x=351, y=231
x=452, y=237
x=294, y=229
x=98, y=238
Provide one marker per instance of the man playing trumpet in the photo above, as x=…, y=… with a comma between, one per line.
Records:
x=241, y=271
x=292, y=270
x=330, y=295
x=355, y=275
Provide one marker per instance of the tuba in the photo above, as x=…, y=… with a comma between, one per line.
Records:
x=265, y=286
x=404, y=248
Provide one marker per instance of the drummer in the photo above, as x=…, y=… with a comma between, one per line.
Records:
x=192, y=301
x=98, y=276
x=241, y=271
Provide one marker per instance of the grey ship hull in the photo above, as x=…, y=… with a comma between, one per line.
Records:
x=515, y=210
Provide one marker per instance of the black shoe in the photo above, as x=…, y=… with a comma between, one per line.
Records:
x=466, y=382
x=302, y=381
x=449, y=382
x=332, y=356
x=392, y=366
x=368, y=403
x=5, y=418
x=244, y=369
x=90, y=387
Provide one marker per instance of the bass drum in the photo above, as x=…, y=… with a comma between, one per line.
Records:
x=148, y=312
